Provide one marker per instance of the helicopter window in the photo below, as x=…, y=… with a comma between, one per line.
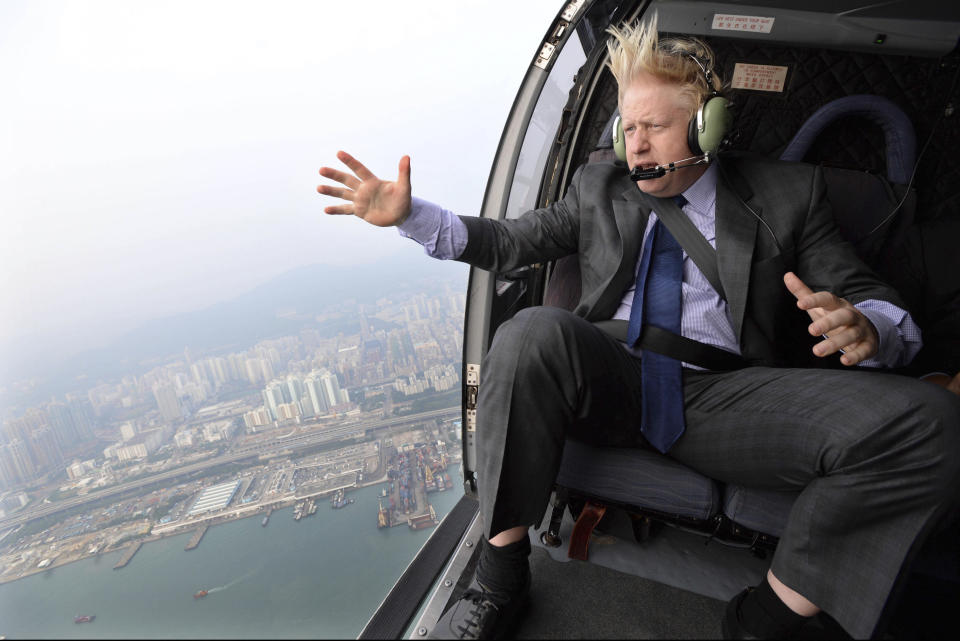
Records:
x=543, y=128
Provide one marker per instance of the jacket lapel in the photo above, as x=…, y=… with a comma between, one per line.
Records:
x=736, y=237
x=630, y=214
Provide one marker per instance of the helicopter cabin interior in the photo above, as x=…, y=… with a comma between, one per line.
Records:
x=635, y=544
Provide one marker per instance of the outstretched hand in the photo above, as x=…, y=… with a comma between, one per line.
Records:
x=843, y=326
x=379, y=202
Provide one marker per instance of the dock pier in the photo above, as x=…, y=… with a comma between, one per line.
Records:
x=134, y=547
x=195, y=539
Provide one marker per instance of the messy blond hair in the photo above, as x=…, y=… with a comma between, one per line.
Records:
x=638, y=48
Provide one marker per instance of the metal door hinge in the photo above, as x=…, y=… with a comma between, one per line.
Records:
x=473, y=389
x=572, y=9
x=550, y=44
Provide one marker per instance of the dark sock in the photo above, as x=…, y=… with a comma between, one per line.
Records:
x=763, y=614
x=504, y=571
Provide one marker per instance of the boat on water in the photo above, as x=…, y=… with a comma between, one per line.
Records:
x=338, y=501
x=200, y=594
x=84, y=618
x=383, y=517
x=265, y=520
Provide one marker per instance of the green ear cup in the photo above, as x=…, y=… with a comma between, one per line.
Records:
x=619, y=144
x=712, y=123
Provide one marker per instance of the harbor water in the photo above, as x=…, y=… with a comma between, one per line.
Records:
x=320, y=577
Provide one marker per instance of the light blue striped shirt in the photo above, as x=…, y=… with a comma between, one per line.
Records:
x=705, y=315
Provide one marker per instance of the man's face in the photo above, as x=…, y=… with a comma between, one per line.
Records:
x=655, y=118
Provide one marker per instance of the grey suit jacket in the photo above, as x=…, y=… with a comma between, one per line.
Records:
x=603, y=216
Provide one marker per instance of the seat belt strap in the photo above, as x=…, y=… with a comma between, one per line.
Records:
x=693, y=242
x=683, y=349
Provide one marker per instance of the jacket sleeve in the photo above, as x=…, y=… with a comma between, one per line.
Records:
x=538, y=235
x=827, y=262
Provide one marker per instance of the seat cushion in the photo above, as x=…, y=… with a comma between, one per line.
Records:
x=761, y=510
x=639, y=477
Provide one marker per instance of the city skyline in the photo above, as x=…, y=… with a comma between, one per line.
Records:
x=143, y=412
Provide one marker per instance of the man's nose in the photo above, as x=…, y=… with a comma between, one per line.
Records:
x=637, y=142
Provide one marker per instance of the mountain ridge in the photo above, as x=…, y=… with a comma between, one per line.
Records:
x=245, y=319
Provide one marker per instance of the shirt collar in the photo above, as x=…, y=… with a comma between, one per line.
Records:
x=703, y=193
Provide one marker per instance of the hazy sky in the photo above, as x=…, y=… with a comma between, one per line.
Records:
x=162, y=156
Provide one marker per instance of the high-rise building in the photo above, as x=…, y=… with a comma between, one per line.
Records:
x=273, y=396
x=306, y=404
x=314, y=389
x=61, y=420
x=18, y=462
x=254, y=373
x=82, y=413
x=199, y=373
x=9, y=475
x=266, y=368
x=294, y=389
x=220, y=369
x=46, y=450
x=237, y=367
x=331, y=388
x=167, y=401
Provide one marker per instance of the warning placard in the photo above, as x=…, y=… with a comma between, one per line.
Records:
x=756, y=24
x=758, y=77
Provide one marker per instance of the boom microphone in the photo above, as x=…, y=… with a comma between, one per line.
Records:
x=638, y=173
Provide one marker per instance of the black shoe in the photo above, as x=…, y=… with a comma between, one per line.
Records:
x=819, y=626
x=479, y=615
x=731, y=626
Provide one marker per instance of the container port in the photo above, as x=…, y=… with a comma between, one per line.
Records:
x=413, y=471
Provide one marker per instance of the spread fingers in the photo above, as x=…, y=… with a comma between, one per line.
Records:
x=339, y=210
x=355, y=165
x=336, y=192
x=340, y=177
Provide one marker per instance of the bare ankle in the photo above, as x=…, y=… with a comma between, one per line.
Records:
x=507, y=537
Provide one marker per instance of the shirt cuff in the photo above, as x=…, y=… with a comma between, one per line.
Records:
x=899, y=336
x=442, y=233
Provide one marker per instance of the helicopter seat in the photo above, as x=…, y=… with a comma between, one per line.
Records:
x=651, y=485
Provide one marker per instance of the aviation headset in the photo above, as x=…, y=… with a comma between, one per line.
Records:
x=707, y=128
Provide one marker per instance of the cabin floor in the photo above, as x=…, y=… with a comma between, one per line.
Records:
x=586, y=600
x=675, y=585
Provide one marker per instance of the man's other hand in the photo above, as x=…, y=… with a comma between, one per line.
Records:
x=379, y=202
x=844, y=326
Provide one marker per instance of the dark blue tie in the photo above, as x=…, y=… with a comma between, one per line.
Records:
x=658, y=301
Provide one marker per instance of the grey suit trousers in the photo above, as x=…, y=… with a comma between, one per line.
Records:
x=873, y=455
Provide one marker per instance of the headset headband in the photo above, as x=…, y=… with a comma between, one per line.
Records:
x=707, y=70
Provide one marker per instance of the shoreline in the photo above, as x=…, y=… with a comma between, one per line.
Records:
x=235, y=514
